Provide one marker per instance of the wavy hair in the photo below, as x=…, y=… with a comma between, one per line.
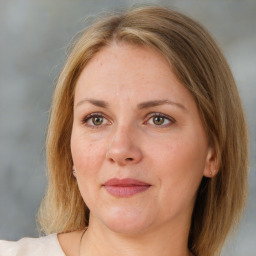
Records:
x=201, y=67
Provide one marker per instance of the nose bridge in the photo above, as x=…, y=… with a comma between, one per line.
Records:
x=123, y=148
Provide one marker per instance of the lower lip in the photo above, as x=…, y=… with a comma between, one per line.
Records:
x=125, y=191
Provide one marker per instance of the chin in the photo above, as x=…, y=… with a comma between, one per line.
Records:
x=127, y=222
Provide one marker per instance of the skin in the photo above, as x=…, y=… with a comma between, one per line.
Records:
x=128, y=139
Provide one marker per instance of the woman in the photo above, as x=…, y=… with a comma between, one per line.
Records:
x=147, y=143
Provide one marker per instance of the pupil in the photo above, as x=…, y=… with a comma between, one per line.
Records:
x=97, y=120
x=158, y=120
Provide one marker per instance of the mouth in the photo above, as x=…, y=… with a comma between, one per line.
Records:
x=125, y=187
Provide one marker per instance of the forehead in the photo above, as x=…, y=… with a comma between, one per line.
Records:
x=137, y=71
x=120, y=56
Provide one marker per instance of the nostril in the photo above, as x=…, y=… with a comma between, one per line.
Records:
x=129, y=159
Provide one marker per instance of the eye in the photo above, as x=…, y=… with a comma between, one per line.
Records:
x=95, y=120
x=159, y=119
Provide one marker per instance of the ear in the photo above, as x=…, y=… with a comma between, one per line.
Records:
x=211, y=165
x=74, y=171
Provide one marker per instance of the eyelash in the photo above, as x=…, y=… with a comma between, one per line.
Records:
x=86, y=119
x=170, y=119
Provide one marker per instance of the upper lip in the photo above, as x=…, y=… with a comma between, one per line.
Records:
x=125, y=182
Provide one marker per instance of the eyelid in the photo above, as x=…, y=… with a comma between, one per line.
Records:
x=87, y=117
x=94, y=114
x=148, y=117
x=171, y=119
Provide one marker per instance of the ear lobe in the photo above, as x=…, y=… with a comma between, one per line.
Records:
x=74, y=171
x=211, y=165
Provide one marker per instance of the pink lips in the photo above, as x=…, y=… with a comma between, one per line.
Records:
x=125, y=187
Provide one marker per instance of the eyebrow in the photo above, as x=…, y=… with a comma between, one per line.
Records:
x=154, y=103
x=143, y=105
x=98, y=103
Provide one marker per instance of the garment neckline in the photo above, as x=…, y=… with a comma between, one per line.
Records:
x=55, y=235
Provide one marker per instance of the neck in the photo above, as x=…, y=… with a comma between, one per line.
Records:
x=100, y=240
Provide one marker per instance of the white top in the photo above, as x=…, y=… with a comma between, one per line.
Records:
x=43, y=246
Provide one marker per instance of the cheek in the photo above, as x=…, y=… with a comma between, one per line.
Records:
x=87, y=158
x=182, y=153
x=86, y=155
x=180, y=165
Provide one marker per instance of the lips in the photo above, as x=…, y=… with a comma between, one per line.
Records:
x=125, y=187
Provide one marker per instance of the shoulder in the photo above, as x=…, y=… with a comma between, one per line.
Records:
x=47, y=245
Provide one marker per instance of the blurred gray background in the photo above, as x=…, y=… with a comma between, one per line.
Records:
x=34, y=35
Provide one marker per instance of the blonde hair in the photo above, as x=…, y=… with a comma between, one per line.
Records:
x=201, y=67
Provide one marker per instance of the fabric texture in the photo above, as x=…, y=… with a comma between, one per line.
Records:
x=42, y=246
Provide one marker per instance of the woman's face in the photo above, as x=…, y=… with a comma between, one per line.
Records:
x=138, y=143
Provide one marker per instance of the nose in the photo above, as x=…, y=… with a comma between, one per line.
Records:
x=123, y=148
